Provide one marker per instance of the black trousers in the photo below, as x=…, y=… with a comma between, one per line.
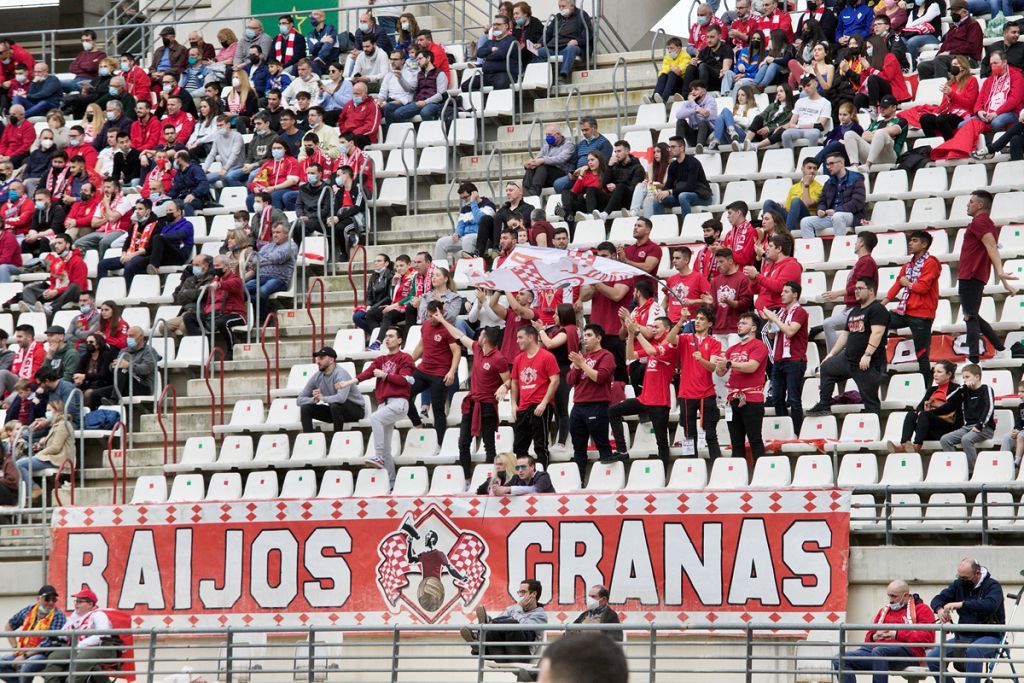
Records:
x=1012, y=136
x=636, y=371
x=877, y=89
x=335, y=413
x=138, y=388
x=401, y=317
x=921, y=333
x=940, y=124
x=615, y=346
x=837, y=368
x=709, y=416
x=561, y=403
x=659, y=422
x=164, y=253
x=970, y=301
x=486, y=235
x=591, y=199
x=529, y=428
x=221, y=323
x=746, y=425
x=438, y=401
x=488, y=430
x=619, y=198
x=694, y=136
x=589, y=421
x=705, y=73
x=536, y=179
x=924, y=426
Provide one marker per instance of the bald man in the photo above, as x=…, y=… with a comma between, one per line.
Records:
x=883, y=645
x=976, y=598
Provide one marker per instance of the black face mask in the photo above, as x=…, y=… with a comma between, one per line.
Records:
x=224, y=43
x=90, y=348
x=254, y=59
x=966, y=584
x=167, y=42
x=954, y=70
x=709, y=241
x=217, y=272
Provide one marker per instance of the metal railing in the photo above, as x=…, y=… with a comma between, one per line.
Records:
x=215, y=352
x=122, y=453
x=317, y=283
x=161, y=410
x=620, y=103
x=714, y=651
x=411, y=176
x=277, y=351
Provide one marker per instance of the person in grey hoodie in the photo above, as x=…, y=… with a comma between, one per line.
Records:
x=553, y=162
x=321, y=399
x=276, y=260
x=227, y=149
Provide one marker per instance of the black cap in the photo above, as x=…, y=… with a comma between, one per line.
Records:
x=55, y=329
x=48, y=590
x=887, y=101
x=168, y=31
x=326, y=351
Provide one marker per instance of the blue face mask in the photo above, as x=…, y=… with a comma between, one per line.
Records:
x=112, y=92
x=12, y=195
x=250, y=33
x=104, y=71
x=197, y=271
x=193, y=60
x=283, y=28
x=40, y=206
x=277, y=153
x=357, y=101
x=85, y=310
x=520, y=21
x=131, y=343
x=49, y=415
x=550, y=139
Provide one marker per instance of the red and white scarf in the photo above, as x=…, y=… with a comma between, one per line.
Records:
x=24, y=360
x=56, y=182
x=785, y=317
x=912, y=273
x=289, y=47
x=908, y=617
x=736, y=239
x=234, y=101
x=999, y=93
x=706, y=263
x=647, y=312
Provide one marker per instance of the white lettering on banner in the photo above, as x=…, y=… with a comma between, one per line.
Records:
x=807, y=564
x=282, y=546
x=522, y=538
x=87, y=560
x=753, y=577
x=142, y=584
x=574, y=563
x=633, y=575
x=183, y=568
x=327, y=568
x=226, y=596
x=681, y=560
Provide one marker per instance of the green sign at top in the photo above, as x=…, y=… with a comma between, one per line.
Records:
x=299, y=9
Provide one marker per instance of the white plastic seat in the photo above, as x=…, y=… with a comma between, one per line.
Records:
x=234, y=451
x=225, y=486
x=198, y=452
x=770, y=471
x=420, y=446
x=149, y=488
x=245, y=413
x=309, y=449
x=1008, y=207
x=433, y=160
x=272, y=450
x=282, y=415
x=993, y=467
x=812, y=471
x=945, y=511
x=371, y=483
x=187, y=488
x=809, y=251
x=393, y=192
x=740, y=165
x=298, y=376
x=447, y=480
x=812, y=431
x=565, y=477
x=192, y=352
x=621, y=231
x=947, y=467
x=688, y=473
x=905, y=391
x=261, y=486
x=411, y=481
x=860, y=431
x=111, y=287
x=889, y=213
x=777, y=429
x=589, y=233
x=338, y=484
x=647, y=475
x=857, y=468
x=607, y=477
x=728, y=473
x=299, y=485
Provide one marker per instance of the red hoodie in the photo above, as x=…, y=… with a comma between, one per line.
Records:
x=19, y=55
x=18, y=216
x=17, y=139
x=64, y=272
x=82, y=212
x=10, y=250
x=138, y=85
x=229, y=296
x=396, y=366
x=923, y=299
x=921, y=614
x=773, y=276
x=361, y=120
x=147, y=135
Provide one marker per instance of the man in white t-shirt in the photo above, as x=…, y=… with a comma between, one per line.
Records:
x=810, y=115
x=91, y=652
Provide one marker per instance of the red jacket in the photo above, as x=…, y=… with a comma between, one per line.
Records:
x=587, y=179
x=922, y=614
x=229, y=296
x=147, y=135
x=10, y=250
x=18, y=217
x=88, y=154
x=960, y=100
x=19, y=55
x=361, y=120
x=441, y=60
x=81, y=212
x=741, y=240
x=138, y=85
x=183, y=122
x=1013, y=98
x=769, y=282
x=924, y=294
x=64, y=272
x=892, y=73
x=16, y=140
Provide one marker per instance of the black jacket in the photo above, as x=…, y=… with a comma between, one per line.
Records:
x=631, y=173
x=978, y=405
x=51, y=219
x=378, y=289
x=540, y=479
x=126, y=166
x=505, y=211
x=982, y=604
x=577, y=27
x=687, y=176
x=104, y=375
x=310, y=200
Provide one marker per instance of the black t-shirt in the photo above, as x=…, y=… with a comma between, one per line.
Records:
x=859, y=323
x=714, y=57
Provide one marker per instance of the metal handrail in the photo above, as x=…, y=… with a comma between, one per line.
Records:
x=413, y=178
x=71, y=478
x=277, y=351
x=199, y=315
x=161, y=409
x=360, y=249
x=515, y=83
x=371, y=226
x=452, y=155
x=166, y=338
x=495, y=153
x=124, y=463
x=660, y=33
x=529, y=136
x=579, y=110
x=619, y=103
x=214, y=353
x=309, y=311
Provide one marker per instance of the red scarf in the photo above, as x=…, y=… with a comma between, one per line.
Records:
x=706, y=264
x=24, y=360
x=786, y=317
x=912, y=273
x=289, y=47
x=56, y=183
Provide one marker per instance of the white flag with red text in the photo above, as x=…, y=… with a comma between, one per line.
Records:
x=538, y=268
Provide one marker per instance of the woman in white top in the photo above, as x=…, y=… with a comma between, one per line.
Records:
x=200, y=141
x=481, y=314
x=731, y=126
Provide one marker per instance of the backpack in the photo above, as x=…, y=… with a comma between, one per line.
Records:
x=101, y=419
x=916, y=158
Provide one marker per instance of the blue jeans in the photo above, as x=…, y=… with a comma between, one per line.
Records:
x=882, y=652
x=106, y=265
x=73, y=84
x=7, y=271
x=915, y=43
x=684, y=200
x=32, y=109
x=766, y=74
x=976, y=653
x=28, y=668
x=268, y=286
x=37, y=466
x=568, y=54
x=236, y=177
x=984, y=7
x=787, y=387
x=797, y=210
x=401, y=113
x=724, y=122
x=389, y=24
x=562, y=184
x=668, y=85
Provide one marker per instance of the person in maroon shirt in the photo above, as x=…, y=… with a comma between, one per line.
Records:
x=742, y=236
x=746, y=364
x=488, y=384
x=979, y=254
x=591, y=375
x=393, y=371
x=778, y=268
x=688, y=285
x=730, y=293
x=517, y=314
x=865, y=267
x=655, y=399
x=607, y=299
x=645, y=254
x=698, y=354
x=704, y=261
x=440, y=354
x=534, y=381
x=789, y=353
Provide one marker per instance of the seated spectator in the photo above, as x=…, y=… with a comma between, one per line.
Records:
x=134, y=369
x=172, y=246
x=17, y=137
x=921, y=424
x=504, y=468
x=241, y=102
x=146, y=131
x=854, y=19
x=624, y=174
x=186, y=294
x=406, y=35
x=588, y=192
x=275, y=264
x=842, y=203
x=276, y=176
x=820, y=67
x=94, y=372
x=67, y=280
x=1014, y=441
x=348, y=221
x=695, y=119
x=710, y=64
x=86, y=63
x=803, y=196
x=568, y=36
x=810, y=115
x=136, y=80
x=17, y=210
x=177, y=116
x=379, y=288
x=134, y=255
x=591, y=139
x=698, y=34
x=425, y=41
x=227, y=150
x=112, y=326
x=323, y=43
x=767, y=128
x=501, y=57
x=190, y=187
x=731, y=125
x=23, y=406
x=922, y=26
x=223, y=306
x=368, y=66
x=257, y=151
x=370, y=28
x=670, y=75
x=746, y=69
x=476, y=212
x=555, y=160
x=277, y=79
x=205, y=130
x=977, y=403
x=528, y=31
x=193, y=76
x=43, y=94
x=959, y=93
x=170, y=57
x=289, y=46
x=598, y=611
x=427, y=96
x=882, y=142
x=1010, y=46
x=224, y=57
x=835, y=139
x=322, y=400
x=87, y=321
x=10, y=256
x=27, y=359
x=52, y=450
x=398, y=85
x=526, y=480
x=964, y=37
x=686, y=185
x=360, y=117
x=253, y=36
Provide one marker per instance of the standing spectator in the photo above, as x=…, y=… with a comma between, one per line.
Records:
x=977, y=403
x=552, y=162
x=591, y=140
x=591, y=375
x=730, y=292
x=425, y=41
x=977, y=598
x=517, y=313
x=568, y=36
x=745, y=363
x=810, y=114
x=964, y=37
x=741, y=237
x=843, y=201
x=778, y=269
x=393, y=370
x=802, y=198
x=916, y=293
x=979, y=254
x=921, y=424
x=859, y=352
x=607, y=298
x=883, y=141
x=85, y=65
x=864, y=267
x=535, y=378
x=322, y=400
x=644, y=253
x=687, y=285
x=697, y=351
x=789, y=353
x=440, y=353
x=695, y=119
x=686, y=185
x=289, y=45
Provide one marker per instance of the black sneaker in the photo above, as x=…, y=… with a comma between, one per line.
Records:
x=815, y=331
x=616, y=457
x=818, y=410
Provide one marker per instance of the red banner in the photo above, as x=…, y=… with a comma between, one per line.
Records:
x=694, y=557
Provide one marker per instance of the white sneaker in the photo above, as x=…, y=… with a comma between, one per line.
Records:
x=375, y=463
x=647, y=99
x=658, y=98
x=712, y=145
x=735, y=145
x=699, y=149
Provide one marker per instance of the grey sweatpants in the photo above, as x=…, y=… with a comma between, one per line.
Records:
x=382, y=421
x=834, y=324
x=968, y=440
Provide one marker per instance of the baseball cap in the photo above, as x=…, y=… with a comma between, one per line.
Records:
x=168, y=31
x=55, y=329
x=887, y=101
x=48, y=590
x=86, y=594
x=326, y=351
x=958, y=4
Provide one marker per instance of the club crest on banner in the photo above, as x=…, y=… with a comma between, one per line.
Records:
x=429, y=565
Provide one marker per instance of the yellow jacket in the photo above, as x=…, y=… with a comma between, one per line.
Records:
x=682, y=61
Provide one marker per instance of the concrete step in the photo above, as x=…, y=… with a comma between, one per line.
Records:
x=421, y=226
x=599, y=104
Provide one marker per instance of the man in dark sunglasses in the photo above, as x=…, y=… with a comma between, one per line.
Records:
x=526, y=479
x=30, y=652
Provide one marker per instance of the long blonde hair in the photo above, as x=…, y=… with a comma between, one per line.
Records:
x=509, y=462
x=748, y=94
x=244, y=87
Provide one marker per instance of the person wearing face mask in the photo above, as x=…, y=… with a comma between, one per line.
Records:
x=47, y=222
x=61, y=356
x=207, y=52
x=226, y=149
x=115, y=121
x=323, y=44
x=289, y=46
x=568, y=36
x=501, y=55
x=670, y=75
x=133, y=258
x=190, y=187
x=44, y=92
x=528, y=31
x=349, y=206
x=186, y=294
x=173, y=245
x=224, y=304
x=313, y=203
x=134, y=369
x=17, y=137
x=354, y=158
x=53, y=449
x=430, y=87
x=12, y=54
x=68, y=279
x=882, y=644
x=85, y=64
x=965, y=37
x=277, y=176
x=590, y=140
x=406, y=38
x=87, y=321
x=705, y=18
x=555, y=159
x=368, y=27
x=193, y=76
x=136, y=80
x=256, y=69
x=93, y=371
x=276, y=266
x=328, y=138
x=169, y=56
x=526, y=611
x=360, y=117
x=368, y=65
x=81, y=209
x=253, y=36
x=38, y=162
x=16, y=211
x=598, y=611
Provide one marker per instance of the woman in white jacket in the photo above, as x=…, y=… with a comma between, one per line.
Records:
x=731, y=125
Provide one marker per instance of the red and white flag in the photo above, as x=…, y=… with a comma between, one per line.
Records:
x=537, y=268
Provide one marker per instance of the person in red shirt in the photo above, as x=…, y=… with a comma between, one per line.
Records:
x=745, y=23
x=742, y=236
x=688, y=286
x=705, y=262
x=28, y=357
x=706, y=18
x=136, y=81
x=112, y=326
x=17, y=209
x=146, y=131
x=789, y=354
x=18, y=136
x=655, y=398
x=517, y=314
x=881, y=645
x=865, y=267
x=393, y=371
x=561, y=338
x=730, y=293
x=699, y=352
x=225, y=301
x=277, y=175
x=440, y=354
x=591, y=374
x=79, y=148
x=425, y=41
x=645, y=313
x=979, y=254
x=645, y=254
x=68, y=279
x=535, y=378
x=746, y=364
x=82, y=209
x=779, y=267
x=361, y=117
x=182, y=121
x=916, y=293
x=10, y=256
x=606, y=300
x=774, y=18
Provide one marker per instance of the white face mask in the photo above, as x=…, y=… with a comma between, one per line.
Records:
x=257, y=207
x=565, y=12
x=592, y=604
x=86, y=45
x=236, y=83
x=46, y=144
